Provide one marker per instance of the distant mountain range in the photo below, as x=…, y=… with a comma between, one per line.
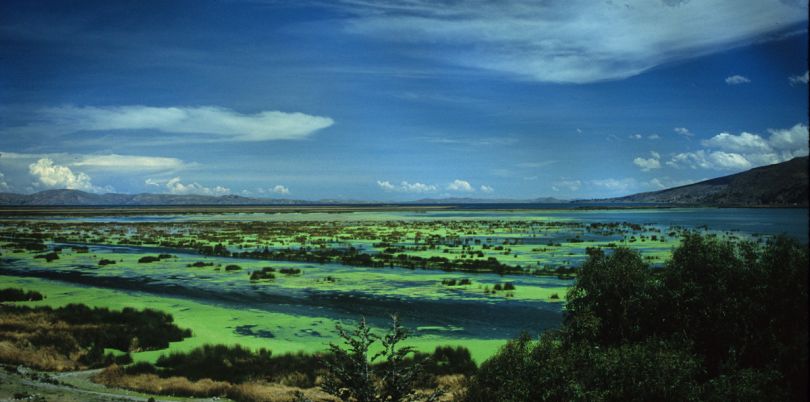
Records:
x=466, y=200
x=78, y=198
x=781, y=184
x=81, y=198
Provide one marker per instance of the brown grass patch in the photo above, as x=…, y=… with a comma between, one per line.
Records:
x=260, y=392
x=114, y=376
x=42, y=358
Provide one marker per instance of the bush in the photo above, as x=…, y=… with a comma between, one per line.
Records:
x=48, y=257
x=14, y=295
x=218, y=362
x=351, y=374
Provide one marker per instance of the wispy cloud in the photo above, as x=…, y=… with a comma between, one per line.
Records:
x=737, y=80
x=115, y=163
x=536, y=165
x=683, y=131
x=799, y=79
x=472, y=141
x=207, y=124
x=569, y=185
x=130, y=163
x=615, y=185
x=573, y=41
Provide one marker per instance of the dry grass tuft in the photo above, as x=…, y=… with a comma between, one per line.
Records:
x=114, y=376
x=260, y=392
x=45, y=358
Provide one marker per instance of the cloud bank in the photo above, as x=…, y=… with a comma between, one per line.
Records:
x=176, y=186
x=406, y=187
x=727, y=151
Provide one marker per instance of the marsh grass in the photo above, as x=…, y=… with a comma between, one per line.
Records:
x=76, y=336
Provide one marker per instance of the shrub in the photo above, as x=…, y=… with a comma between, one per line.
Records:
x=48, y=257
x=351, y=374
x=13, y=295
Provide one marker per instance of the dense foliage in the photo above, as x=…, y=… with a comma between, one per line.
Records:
x=721, y=321
x=13, y=295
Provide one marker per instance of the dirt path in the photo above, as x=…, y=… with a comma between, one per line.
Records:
x=21, y=383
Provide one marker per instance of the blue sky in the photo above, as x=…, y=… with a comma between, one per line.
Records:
x=384, y=100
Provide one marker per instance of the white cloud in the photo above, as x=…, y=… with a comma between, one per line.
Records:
x=208, y=123
x=647, y=164
x=386, y=185
x=726, y=160
x=683, y=131
x=717, y=160
x=737, y=80
x=129, y=163
x=406, y=187
x=176, y=186
x=486, y=189
x=574, y=41
x=745, y=142
x=793, y=140
x=746, y=150
x=3, y=184
x=279, y=189
x=615, y=185
x=57, y=176
x=666, y=182
x=799, y=79
x=653, y=137
x=635, y=136
x=460, y=185
x=568, y=185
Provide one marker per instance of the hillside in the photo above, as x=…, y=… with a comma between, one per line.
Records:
x=781, y=184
